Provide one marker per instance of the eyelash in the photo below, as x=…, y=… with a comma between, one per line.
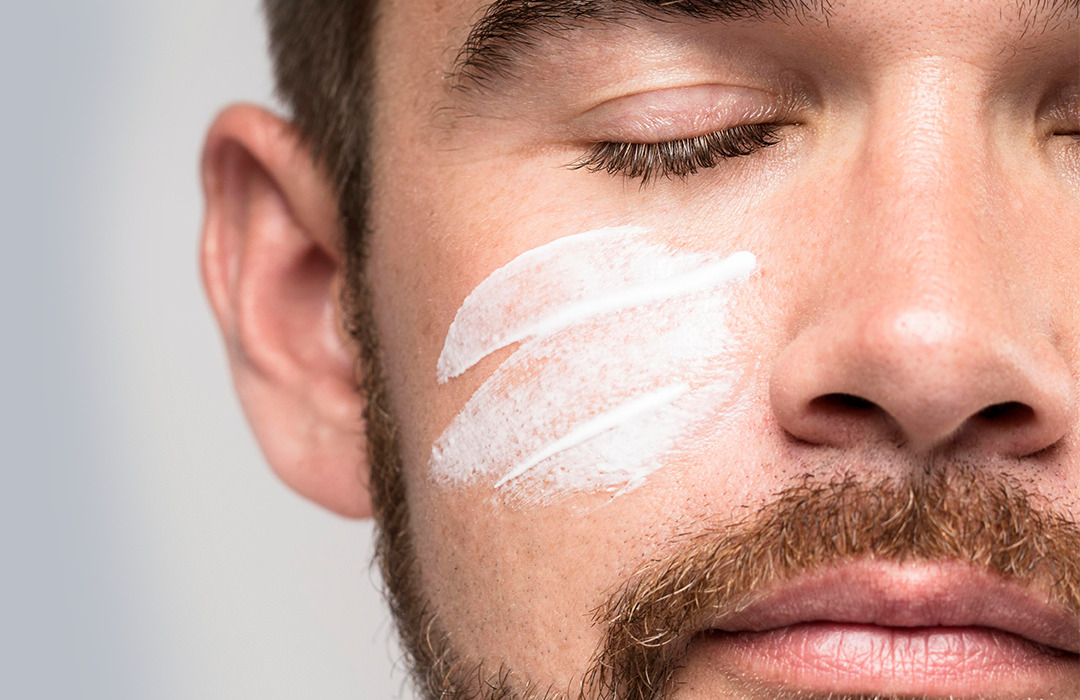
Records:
x=680, y=158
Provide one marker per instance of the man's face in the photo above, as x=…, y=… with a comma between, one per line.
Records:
x=830, y=288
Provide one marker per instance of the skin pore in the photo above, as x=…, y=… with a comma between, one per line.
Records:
x=907, y=176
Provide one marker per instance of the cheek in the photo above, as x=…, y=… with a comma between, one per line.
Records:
x=645, y=389
x=518, y=586
x=623, y=350
x=432, y=243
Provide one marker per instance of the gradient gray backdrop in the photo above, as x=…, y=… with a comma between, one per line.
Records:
x=148, y=552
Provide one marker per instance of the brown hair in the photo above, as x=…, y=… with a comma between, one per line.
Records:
x=324, y=68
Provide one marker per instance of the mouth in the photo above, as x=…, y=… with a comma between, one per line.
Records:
x=912, y=630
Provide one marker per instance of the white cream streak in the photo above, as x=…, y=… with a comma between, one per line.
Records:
x=601, y=424
x=624, y=348
x=570, y=288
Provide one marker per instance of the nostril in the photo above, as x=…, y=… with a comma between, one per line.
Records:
x=832, y=416
x=842, y=403
x=1009, y=414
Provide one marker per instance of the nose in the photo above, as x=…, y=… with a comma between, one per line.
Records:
x=925, y=329
x=922, y=376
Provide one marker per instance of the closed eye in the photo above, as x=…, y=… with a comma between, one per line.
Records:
x=680, y=158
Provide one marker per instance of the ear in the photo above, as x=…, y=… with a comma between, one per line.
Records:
x=272, y=265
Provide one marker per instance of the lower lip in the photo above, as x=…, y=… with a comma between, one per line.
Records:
x=826, y=657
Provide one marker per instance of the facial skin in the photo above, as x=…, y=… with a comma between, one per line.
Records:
x=912, y=330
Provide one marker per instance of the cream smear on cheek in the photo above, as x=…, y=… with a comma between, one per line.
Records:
x=623, y=348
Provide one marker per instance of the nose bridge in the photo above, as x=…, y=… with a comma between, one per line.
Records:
x=928, y=218
x=921, y=330
x=922, y=248
x=925, y=164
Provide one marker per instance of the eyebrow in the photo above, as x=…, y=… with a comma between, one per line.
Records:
x=509, y=28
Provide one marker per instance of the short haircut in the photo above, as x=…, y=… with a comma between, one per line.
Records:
x=324, y=70
x=324, y=67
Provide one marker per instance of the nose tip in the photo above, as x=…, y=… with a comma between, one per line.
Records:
x=924, y=379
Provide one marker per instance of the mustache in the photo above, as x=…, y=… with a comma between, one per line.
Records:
x=961, y=515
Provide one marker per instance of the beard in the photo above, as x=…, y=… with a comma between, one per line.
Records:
x=944, y=513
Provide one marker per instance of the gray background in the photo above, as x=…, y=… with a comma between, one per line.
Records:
x=148, y=552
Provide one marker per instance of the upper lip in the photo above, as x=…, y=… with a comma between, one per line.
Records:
x=917, y=594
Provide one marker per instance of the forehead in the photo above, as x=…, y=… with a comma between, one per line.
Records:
x=461, y=39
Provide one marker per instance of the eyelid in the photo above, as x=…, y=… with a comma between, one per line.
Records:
x=678, y=113
x=1067, y=106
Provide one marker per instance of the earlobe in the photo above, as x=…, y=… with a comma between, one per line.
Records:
x=272, y=266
